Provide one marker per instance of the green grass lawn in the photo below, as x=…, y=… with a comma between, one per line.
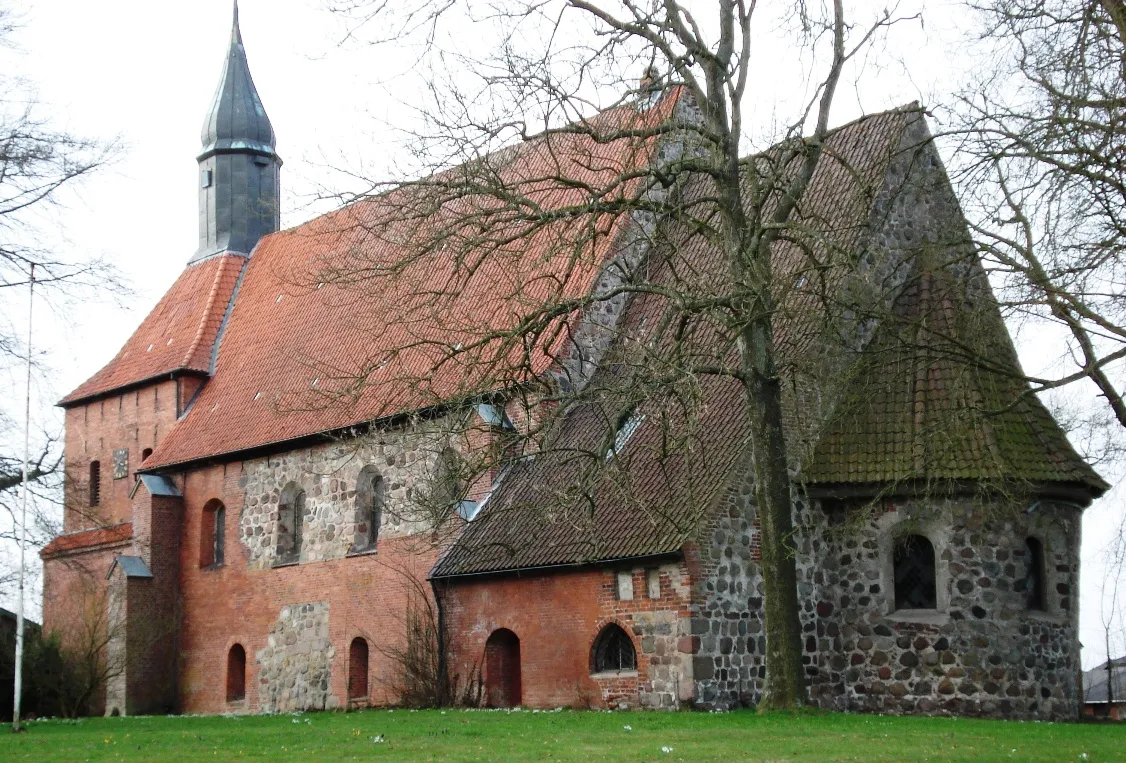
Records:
x=456, y=735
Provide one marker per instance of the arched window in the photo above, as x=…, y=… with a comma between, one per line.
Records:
x=291, y=519
x=358, y=669
x=448, y=484
x=95, y=483
x=915, y=574
x=371, y=495
x=1035, y=575
x=236, y=673
x=613, y=651
x=212, y=534
x=145, y=454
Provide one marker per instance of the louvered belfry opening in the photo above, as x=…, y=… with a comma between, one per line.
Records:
x=914, y=574
x=95, y=483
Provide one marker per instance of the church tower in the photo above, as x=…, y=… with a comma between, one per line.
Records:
x=239, y=169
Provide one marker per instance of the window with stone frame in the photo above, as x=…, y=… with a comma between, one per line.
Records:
x=291, y=521
x=212, y=534
x=1035, y=575
x=613, y=651
x=914, y=566
x=95, y=483
x=371, y=497
x=236, y=673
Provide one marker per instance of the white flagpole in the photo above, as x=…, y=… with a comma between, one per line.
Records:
x=23, y=510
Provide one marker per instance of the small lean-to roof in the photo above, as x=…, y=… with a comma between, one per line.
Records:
x=131, y=567
x=177, y=336
x=88, y=539
x=328, y=331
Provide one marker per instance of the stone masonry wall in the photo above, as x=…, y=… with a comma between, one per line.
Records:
x=295, y=670
x=406, y=459
x=983, y=651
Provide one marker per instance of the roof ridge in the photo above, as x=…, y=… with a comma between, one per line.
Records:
x=205, y=315
x=497, y=154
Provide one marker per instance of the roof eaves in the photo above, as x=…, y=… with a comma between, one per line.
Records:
x=170, y=374
x=435, y=574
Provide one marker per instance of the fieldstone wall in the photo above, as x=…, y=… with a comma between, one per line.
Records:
x=983, y=651
x=295, y=667
x=727, y=629
x=406, y=459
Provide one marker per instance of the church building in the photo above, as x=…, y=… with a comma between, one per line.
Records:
x=291, y=489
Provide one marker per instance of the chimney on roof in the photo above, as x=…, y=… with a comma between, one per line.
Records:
x=239, y=168
x=650, y=80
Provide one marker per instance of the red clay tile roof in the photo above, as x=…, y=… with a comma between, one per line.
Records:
x=311, y=319
x=87, y=539
x=562, y=508
x=177, y=335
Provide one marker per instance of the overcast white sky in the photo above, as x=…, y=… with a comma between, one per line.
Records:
x=146, y=71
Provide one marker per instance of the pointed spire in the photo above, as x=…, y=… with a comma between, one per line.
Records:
x=236, y=33
x=237, y=113
x=239, y=166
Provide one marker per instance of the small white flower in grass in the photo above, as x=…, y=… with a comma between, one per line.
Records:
x=377, y=739
x=666, y=750
x=627, y=727
x=295, y=721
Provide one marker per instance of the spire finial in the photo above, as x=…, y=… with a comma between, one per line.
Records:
x=236, y=33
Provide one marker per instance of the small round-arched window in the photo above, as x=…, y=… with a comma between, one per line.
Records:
x=291, y=521
x=613, y=651
x=371, y=495
x=915, y=586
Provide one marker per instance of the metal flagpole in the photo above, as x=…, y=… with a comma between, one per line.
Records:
x=23, y=510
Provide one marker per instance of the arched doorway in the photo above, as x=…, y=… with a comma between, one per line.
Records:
x=502, y=669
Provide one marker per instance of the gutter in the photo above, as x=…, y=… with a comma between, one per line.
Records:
x=677, y=554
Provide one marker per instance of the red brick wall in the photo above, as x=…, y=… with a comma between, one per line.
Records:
x=74, y=597
x=135, y=420
x=557, y=616
x=367, y=595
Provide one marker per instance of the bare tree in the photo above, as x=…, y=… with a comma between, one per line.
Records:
x=475, y=215
x=1040, y=141
x=39, y=166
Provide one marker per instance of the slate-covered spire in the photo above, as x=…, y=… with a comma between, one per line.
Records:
x=239, y=167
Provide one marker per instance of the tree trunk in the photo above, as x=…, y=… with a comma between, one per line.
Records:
x=785, y=682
